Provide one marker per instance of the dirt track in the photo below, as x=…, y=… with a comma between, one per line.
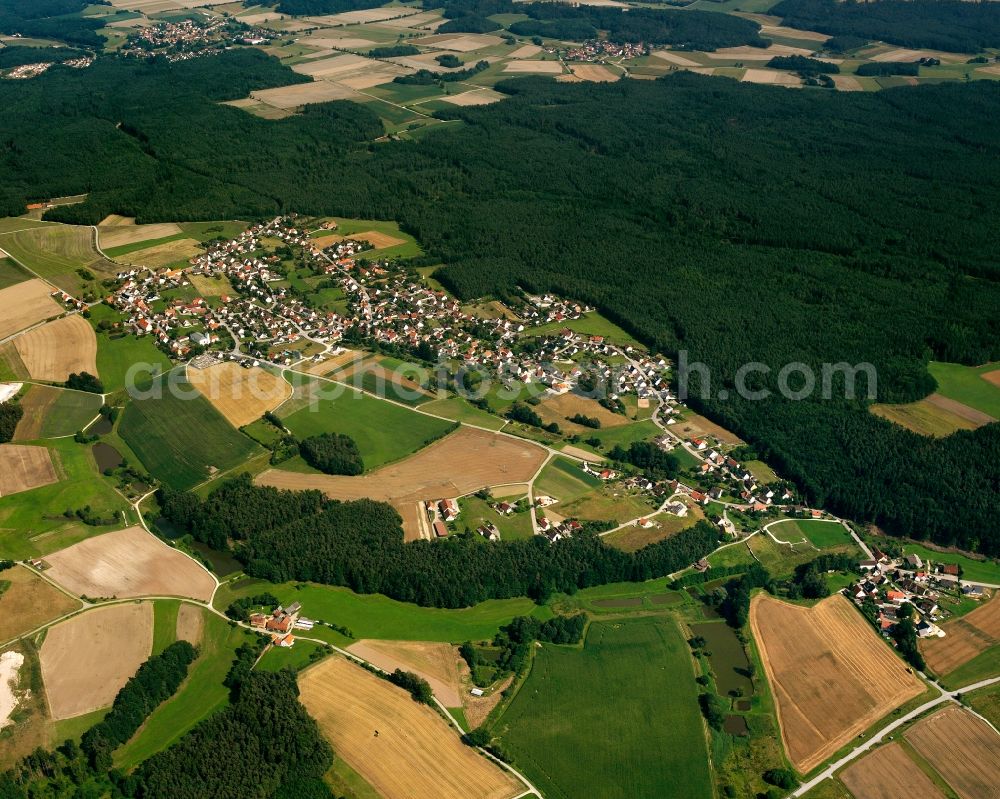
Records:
x=415, y=753
x=831, y=674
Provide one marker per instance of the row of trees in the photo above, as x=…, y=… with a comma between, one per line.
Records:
x=283, y=535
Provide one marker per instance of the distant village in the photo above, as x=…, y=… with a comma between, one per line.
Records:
x=189, y=38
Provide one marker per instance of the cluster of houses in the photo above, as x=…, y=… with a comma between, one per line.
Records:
x=281, y=622
x=34, y=70
x=600, y=49
x=557, y=530
x=190, y=38
x=892, y=582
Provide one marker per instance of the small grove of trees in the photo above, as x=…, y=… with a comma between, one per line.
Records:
x=156, y=681
x=84, y=381
x=803, y=65
x=418, y=687
x=10, y=415
x=713, y=708
x=239, y=610
x=649, y=457
x=393, y=52
x=521, y=412
x=587, y=421
x=884, y=68
x=332, y=453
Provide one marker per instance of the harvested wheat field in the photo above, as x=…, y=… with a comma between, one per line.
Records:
x=121, y=234
x=460, y=44
x=595, y=73
x=415, y=752
x=977, y=418
x=475, y=97
x=190, y=623
x=560, y=407
x=888, y=773
x=25, y=304
x=241, y=395
x=165, y=254
x=29, y=602
x=992, y=377
x=435, y=662
x=459, y=464
x=87, y=659
x=963, y=749
x=128, y=563
x=696, y=425
x=526, y=51
x=675, y=58
x=747, y=53
x=302, y=94
x=23, y=468
x=922, y=417
x=771, y=77
x=58, y=349
x=542, y=67
x=831, y=674
x=847, y=83
x=965, y=638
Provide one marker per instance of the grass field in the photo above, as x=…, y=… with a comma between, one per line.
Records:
x=408, y=249
x=924, y=418
x=476, y=512
x=115, y=356
x=982, y=571
x=618, y=718
x=821, y=534
x=55, y=252
x=377, y=616
x=178, y=439
x=164, y=624
x=625, y=434
x=986, y=702
x=295, y=657
x=967, y=385
x=11, y=274
x=384, y=432
x=199, y=696
x=590, y=324
x=28, y=602
x=780, y=560
x=460, y=410
x=564, y=480
x=32, y=522
x=50, y=412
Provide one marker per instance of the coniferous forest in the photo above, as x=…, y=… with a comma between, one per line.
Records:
x=737, y=223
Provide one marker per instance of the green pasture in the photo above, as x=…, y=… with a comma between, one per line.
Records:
x=628, y=700
x=55, y=252
x=565, y=480
x=115, y=356
x=459, y=410
x=967, y=385
x=11, y=274
x=977, y=571
x=63, y=411
x=590, y=324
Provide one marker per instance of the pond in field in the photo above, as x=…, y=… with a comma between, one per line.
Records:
x=107, y=457
x=736, y=725
x=727, y=656
x=101, y=427
x=672, y=598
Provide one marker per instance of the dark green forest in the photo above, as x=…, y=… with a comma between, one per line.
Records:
x=952, y=25
x=52, y=19
x=737, y=223
x=360, y=545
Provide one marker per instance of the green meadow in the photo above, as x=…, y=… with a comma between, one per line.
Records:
x=590, y=324
x=178, y=437
x=564, y=480
x=821, y=534
x=980, y=571
x=378, y=616
x=967, y=385
x=618, y=718
x=62, y=412
x=460, y=410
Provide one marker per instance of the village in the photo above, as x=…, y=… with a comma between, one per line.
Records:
x=190, y=38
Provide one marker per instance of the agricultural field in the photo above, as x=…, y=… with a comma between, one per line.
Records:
x=182, y=441
x=58, y=349
x=27, y=602
x=965, y=639
x=201, y=694
x=617, y=718
x=116, y=232
x=963, y=749
x=607, y=503
x=461, y=463
x=11, y=274
x=88, y=658
x=25, y=304
x=831, y=675
x=32, y=523
x=129, y=563
x=51, y=412
x=888, y=773
x=459, y=410
x=56, y=252
x=377, y=616
x=976, y=387
x=415, y=752
x=241, y=395
x=665, y=525
x=926, y=417
x=23, y=468
x=117, y=353
x=820, y=533
x=438, y=663
x=559, y=408
x=384, y=432
x=564, y=480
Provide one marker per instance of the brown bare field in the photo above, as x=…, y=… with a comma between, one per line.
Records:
x=905, y=54
x=333, y=363
x=378, y=240
x=163, y=254
x=36, y=404
x=977, y=418
x=241, y=395
x=595, y=73
x=461, y=44
x=888, y=773
x=747, y=53
x=119, y=235
x=24, y=304
x=847, y=83
x=963, y=749
x=339, y=64
x=87, y=659
x=29, y=602
x=57, y=349
x=924, y=418
x=474, y=97
x=965, y=638
x=23, y=468
x=527, y=51
x=415, y=752
x=459, y=464
x=415, y=20
x=831, y=674
x=992, y=377
x=696, y=425
x=129, y=563
x=674, y=58
x=793, y=33
x=190, y=623
x=544, y=67
x=582, y=454
x=559, y=408
x=435, y=662
x=302, y=94
x=771, y=77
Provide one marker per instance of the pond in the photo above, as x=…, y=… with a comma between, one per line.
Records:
x=736, y=725
x=727, y=656
x=672, y=598
x=107, y=457
x=101, y=427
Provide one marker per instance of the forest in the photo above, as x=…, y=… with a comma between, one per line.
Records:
x=52, y=19
x=360, y=545
x=736, y=223
x=952, y=25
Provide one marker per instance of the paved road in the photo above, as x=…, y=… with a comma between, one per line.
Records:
x=946, y=696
